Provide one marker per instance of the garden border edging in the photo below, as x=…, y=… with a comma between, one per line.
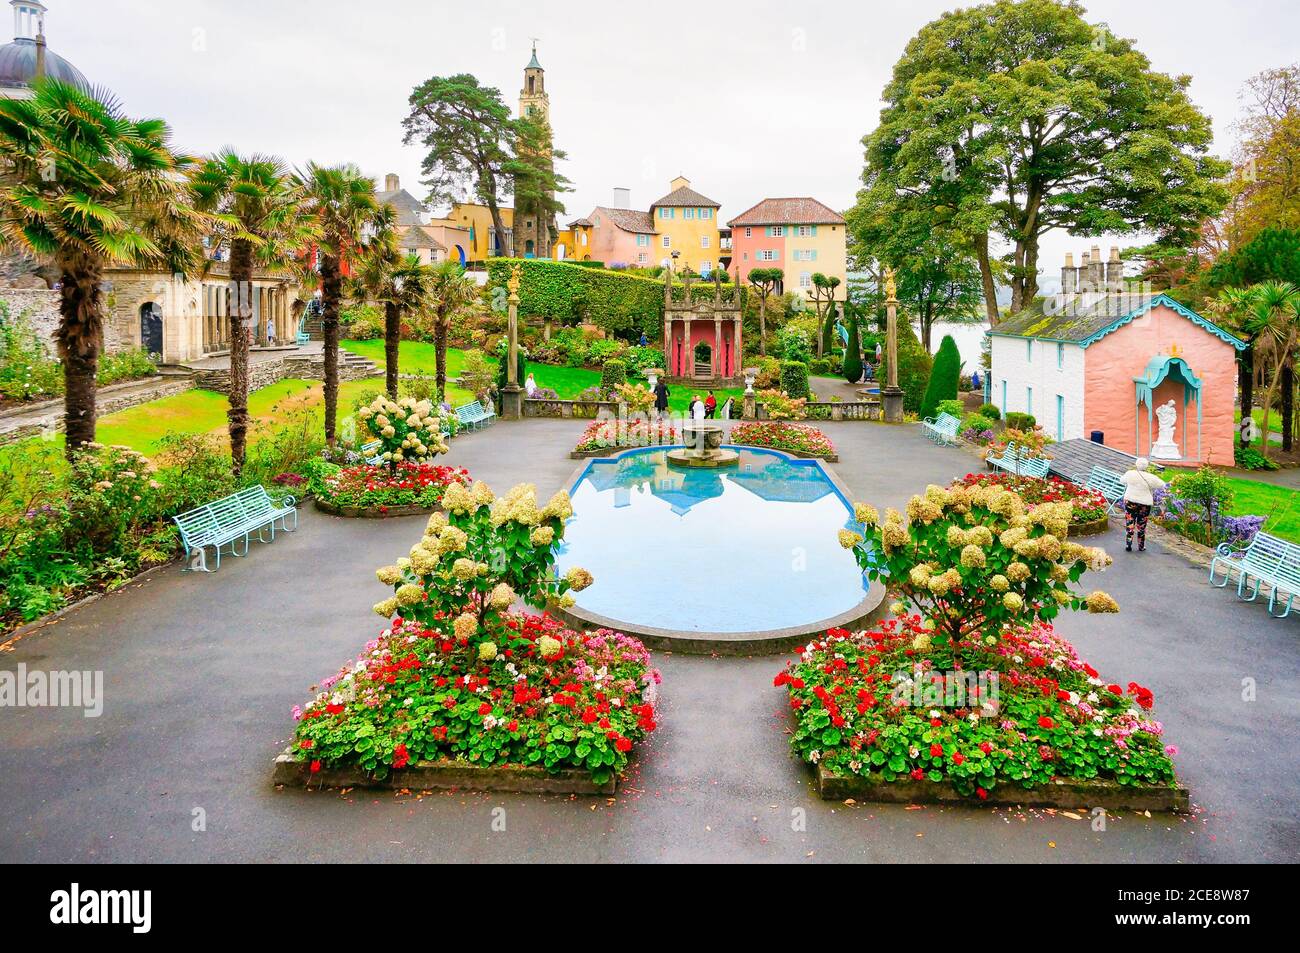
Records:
x=374, y=512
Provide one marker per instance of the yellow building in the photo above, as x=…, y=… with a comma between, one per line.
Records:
x=686, y=222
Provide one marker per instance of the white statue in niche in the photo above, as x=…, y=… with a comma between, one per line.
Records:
x=1165, y=447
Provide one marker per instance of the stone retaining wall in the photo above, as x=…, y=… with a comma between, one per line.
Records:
x=41, y=307
x=108, y=400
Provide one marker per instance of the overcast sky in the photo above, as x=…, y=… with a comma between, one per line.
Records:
x=747, y=100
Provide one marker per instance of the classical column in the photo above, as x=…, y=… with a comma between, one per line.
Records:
x=736, y=354
x=668, y=343
x=512, y=403
x=717, y=346
x=891, y=396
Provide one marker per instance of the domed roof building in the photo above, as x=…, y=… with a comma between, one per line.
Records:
x=27, y=57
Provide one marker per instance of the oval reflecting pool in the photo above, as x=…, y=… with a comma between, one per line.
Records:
x=751, y=547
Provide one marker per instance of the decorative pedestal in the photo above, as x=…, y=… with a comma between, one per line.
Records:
x=512, y=402
x=891, y=400
x=703, y=441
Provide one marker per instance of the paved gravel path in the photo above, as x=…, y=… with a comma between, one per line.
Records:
x=201, y=671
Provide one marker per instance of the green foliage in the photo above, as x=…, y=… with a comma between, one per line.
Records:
x=1272, y=255
x=913, y=367
x=953, y=407
x=1206, y=489
x=1248, y=458
x=566, y=292
x=1020, y=421
x=853, y=352
x=612, y=375
x=477, y=372
x=990, y=411
x=521, y=364
x=361, y=322
x=27, y=369
x=794, y=378
x=794, y=344
x=945, y=375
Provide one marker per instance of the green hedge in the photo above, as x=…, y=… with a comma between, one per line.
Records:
x=794, y=378
x=566, y=291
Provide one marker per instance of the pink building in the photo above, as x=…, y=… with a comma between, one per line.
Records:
x=622, y=236
x=1154, y=377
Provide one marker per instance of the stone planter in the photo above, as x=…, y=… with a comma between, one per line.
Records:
x=1090, y=528
x=1070, y=795
x=377, y=512
x=828, y=457
x=443, y=775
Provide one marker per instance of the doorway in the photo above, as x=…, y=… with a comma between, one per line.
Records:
x=151, y=329
x=703, y=360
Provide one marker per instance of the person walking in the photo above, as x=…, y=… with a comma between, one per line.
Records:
x=661, y=396
x=710, y=406
x=1140, y=487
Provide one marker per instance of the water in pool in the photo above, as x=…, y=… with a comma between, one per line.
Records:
x=751, y=547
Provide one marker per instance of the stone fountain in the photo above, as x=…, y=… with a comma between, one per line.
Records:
x=703, y=439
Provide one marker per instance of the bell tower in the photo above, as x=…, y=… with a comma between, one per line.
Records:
x=534, y=227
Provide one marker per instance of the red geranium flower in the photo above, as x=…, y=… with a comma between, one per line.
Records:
x=1045, y=722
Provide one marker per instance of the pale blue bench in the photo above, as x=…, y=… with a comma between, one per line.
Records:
x=941, y=429
x=1265, y=559
x=373, y=452
x=474, y=415
x=231, y=519
x=1015, y=460
x=1109, y=484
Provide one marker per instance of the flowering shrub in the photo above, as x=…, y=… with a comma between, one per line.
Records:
x=887, y=705
x=408, y=429
x=980, y=436
x=552, y=698
x=976, y=560
x=1033, y=442
x=399, y=484
x=779, y=435
x=1088, y=505
x=461, y=674
x=626, y=433
x=1192, y=505
x=637, y=398
x=778, y=405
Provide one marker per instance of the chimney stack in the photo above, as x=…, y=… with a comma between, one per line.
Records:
x=1114, y=271
x=392, y=183
x=1069, y=277
x=622, y=198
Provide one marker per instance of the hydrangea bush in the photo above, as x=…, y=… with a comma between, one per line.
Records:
x=976, y=559
x=1087, y=505
x=408, y=429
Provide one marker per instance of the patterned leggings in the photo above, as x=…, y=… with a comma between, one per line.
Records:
x=1135, y=521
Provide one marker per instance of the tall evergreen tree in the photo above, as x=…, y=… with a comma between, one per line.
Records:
x=945, y=376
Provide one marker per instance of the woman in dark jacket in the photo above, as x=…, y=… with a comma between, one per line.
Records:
x=661, y=396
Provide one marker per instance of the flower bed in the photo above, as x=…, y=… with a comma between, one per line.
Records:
x=602, y=435
x=887, y=707
x=382, y=490
x=461, y=679
x=798, y=439
x=1089, y=506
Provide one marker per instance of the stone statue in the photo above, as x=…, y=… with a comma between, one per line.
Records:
x=1165, y=447
x=891, y=290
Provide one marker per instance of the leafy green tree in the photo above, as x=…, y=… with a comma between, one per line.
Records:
x=1270, y=313
x=1014, y=118
x=400, y=283
x=255, y=202
x=945, y=376
x=468, y=133
x=532, y=168
x=852, y=368
x=341, y=205
x=823, y=295
x=765, y=281
x=88, y=187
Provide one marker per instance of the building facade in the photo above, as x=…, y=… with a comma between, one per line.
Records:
x=801, y=236
x=1116, y=362
x=27, y=57
x=686, y=228
x=534, y=224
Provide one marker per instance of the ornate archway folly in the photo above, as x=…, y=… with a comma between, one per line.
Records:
x=1169, y=370
x=696, y=314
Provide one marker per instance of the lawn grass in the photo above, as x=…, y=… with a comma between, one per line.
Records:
x=416, y=357
x=1274, y=422
x=1280, y=504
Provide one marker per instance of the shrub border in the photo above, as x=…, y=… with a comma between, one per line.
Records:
x=443, y=775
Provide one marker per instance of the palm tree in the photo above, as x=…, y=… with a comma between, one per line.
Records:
x=256, y=205
x=400, y=283
x=90, y=188
x=1270, y=313
x=341, y=204
x=449, y=292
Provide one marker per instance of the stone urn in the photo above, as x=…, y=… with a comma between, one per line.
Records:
x=703, y=438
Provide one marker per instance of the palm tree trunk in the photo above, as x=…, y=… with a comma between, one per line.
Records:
x=392, y=340
x=241, y=318
x=440, y=355
x=80, y=337
x=331, y=293
x=1288, y=403
x=1271, y=393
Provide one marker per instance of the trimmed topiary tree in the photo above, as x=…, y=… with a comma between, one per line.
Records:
x=612, y=375
x=944, y=377
x=794, y=378
x=853, y=353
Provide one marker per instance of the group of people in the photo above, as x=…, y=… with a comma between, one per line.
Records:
x=701, y=408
